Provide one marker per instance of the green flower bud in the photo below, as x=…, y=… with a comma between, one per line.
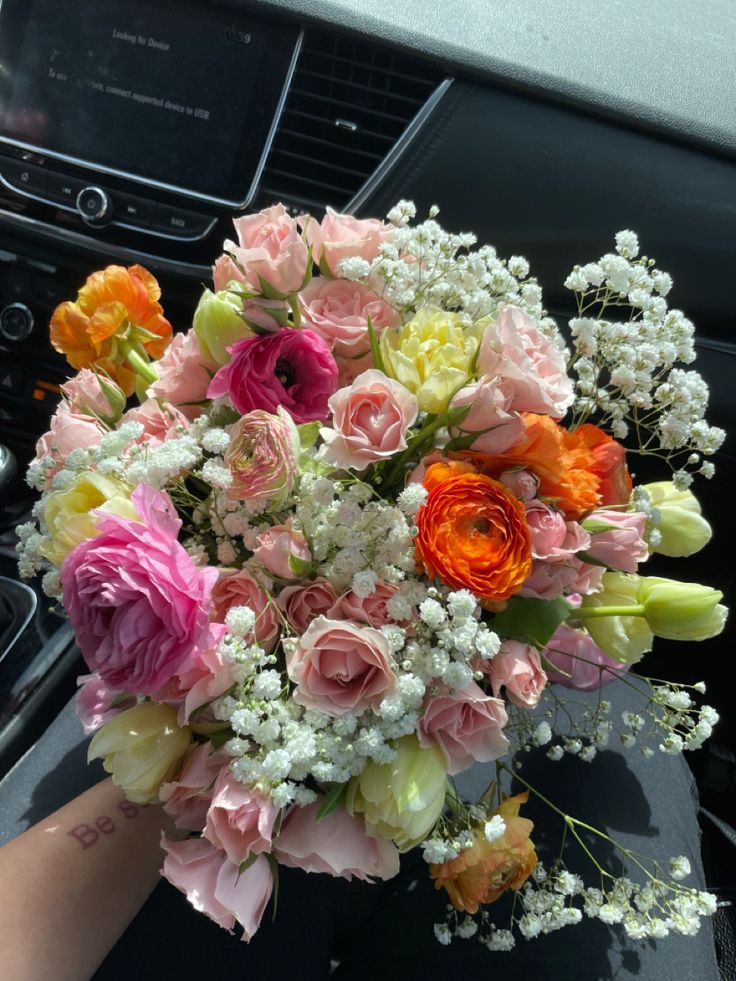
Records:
x=681, y=610
x=625, y=638
x=218, y=323
x=682, y=527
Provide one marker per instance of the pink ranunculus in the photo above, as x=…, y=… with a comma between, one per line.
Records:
x=339, y=667
x=518, y=668
x=187, y=799
x=239, y=588
x=620, y=546
x=159, y=422
x=340, y=237
x=339, y=310
x=515, y=350
x=497, y=427
x=522, y=483
x=467, y=725
x=271, y=253
x=263, y=457
x=95, y=703
x=337, y=845
x=85, y=396
x=184, y=374
x=216, y=887
x=239, y=819
x=582, y=664
x=138, y=604
x=304, y=603
x=369, y=421
x=68, y=431
x=365, y=609
x=282, y=551
x=293, y=368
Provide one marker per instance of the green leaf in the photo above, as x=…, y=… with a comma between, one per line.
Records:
x=595, y=527
x=300, y=567
x=308, y=433
x=334, y=798
x=275, y=876
x=244, y=866
x=548, y=666
x=531, y=620
x=220, y=737
x=375, y=349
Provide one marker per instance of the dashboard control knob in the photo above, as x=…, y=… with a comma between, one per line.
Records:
x=94, y=206
x=16, y=322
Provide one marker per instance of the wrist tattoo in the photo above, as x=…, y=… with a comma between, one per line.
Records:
x=88, y=835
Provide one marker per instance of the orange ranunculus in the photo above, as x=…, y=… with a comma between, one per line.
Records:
x=115, y=305
x=473, y=534
x=481, y=873
x=610, y=464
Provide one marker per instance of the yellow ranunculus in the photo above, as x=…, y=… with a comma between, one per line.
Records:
x=142, y=747
x=431, y=355
x=218, y=323
x=624, y=638
x=67, y=512
x=681, y=610
x=682, y=527
x=403, y=799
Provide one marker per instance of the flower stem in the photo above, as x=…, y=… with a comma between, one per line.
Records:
x=583, y=612
x=138, y=362
x=295, y=311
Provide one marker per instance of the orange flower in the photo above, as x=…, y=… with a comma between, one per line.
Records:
x=116, y=324
x=473, y=533
x=609, y=466
x=481, y=873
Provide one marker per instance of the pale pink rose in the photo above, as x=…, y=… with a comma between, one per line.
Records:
x=343, y=237
x=224, y=272
x=159, y=422
x=548, y=580
x=348, y=369
x=263, y=457
x=467, y=725
x=365, y=609
x=283, y=551
x=259, y=313
x=337, y=845
x=204, y=676
x=338, y=311
x=339, y=667
x=95, y=703
x=68, y=431
x=85, y=396
x=187, y=799
x=553, y=538
x=239, y=819
x=589, y=578
x=518, y=668
x=622, y=545
x=582, y=664
x=271, y=253
x=515, y=350
x=304, y=603
x=235, y=588
x=216, y=887
x=497, y=427
x=183, y=375
x=521, y=483
x=369, y=421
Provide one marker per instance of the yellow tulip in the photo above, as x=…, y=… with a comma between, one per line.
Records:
x=624, y=637
x=681, y=610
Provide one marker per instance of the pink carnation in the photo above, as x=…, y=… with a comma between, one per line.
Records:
x=518, y=668
x=183, y=375
x=467, y=725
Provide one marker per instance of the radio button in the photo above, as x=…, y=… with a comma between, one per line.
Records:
x=175, y=221
x=93, y=204
x=132, y=210
x=63, y=189
x=23, y=176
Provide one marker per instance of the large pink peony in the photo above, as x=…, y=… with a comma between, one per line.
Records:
x=184, y=374
x=270, y=255
x=239, y=820
x=138, y=604
x=467, y=725
x=292, y=368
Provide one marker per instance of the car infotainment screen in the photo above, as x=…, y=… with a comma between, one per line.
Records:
x=169, y=93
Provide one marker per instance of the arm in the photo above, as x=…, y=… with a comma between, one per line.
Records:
x=70, y=885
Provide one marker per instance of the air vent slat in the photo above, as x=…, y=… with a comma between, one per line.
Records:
x=349, y=103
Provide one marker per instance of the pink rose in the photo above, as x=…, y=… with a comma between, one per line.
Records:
x=215, y=887
x=620, y=546
x=365, y=609
x=515, y=350
x=582, y=664
x=95, y=703
x=518, y=668
x=187, y=799
x=522, y=483
x=548, y=580
x=293, y=368
x=369, y=421
x=343, y=237
x=68, y=431
x=204, y=676
x=303, y=603
x=467, y=725
x=338, y=310
x=159, y=422
x=283, y=552
x=263, y=457
x=339, y=667
x=337, y=845
x=235, y=588
x=489, y=416
x=138, y=604
x=86, y=396
x=553, y=538
x=183, y=375
x=270, y=255
x=239, y=820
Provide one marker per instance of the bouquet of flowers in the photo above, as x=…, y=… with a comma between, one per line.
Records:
x=365, y=511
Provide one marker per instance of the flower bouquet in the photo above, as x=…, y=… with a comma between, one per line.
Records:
x=364, y=513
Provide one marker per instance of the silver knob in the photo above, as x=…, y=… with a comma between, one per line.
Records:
x=16, y=322
x=93, y=204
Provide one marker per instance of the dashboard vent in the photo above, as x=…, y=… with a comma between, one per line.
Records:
x=349, y=104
